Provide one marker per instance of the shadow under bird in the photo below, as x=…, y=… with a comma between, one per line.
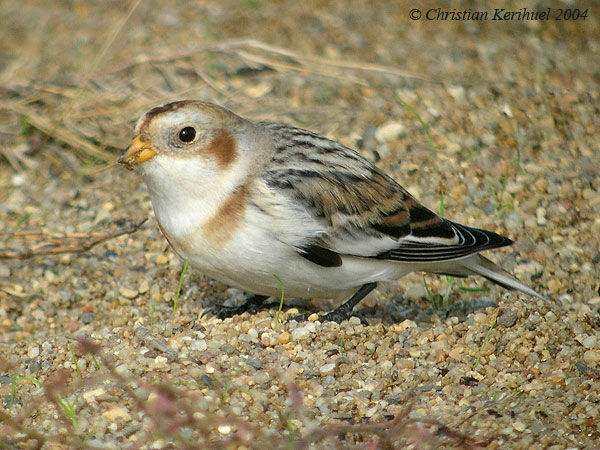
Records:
x=245, y=201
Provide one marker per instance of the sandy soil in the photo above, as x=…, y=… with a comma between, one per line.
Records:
x=502, y=117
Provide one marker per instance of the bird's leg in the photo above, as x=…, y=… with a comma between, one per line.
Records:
x=344, y=311
x=253, y=304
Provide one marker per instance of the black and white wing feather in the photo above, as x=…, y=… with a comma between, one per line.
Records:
x=367, y=214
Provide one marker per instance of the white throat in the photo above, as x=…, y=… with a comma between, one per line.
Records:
x=186, y=192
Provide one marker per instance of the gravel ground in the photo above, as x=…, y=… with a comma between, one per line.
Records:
x=513, y=114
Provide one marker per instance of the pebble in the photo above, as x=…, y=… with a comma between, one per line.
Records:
x=198, y=345
x=519, y=426
x=128, y=293
x=311, y=326
x=160, y=362
x=415, y=291
x=283, y=338
x=508, y=318
x=457, y=92
x=589, y=342
x=87, y=317
x=123, y=370
x=255, y=362
x=33, y=351
x=390, y=131
x=300, y=333
x=261, y=377
x=406, y=324
x=540, y=214
x=161, y=259
x=592, y=357
x=327, y=369
x=92, y=395
x=228, y=348
x=541, y=185
x=224, y=429
x=143, y=287
x=117, y=413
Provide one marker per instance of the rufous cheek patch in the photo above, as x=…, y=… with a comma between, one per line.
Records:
x=223, y=149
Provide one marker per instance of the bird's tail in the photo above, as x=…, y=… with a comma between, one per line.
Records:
x=479, y=265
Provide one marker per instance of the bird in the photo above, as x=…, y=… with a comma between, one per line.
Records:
x=265, y=205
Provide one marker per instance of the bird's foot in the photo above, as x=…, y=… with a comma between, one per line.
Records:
x=252, y=304
x=344, y=311
x=337, y=315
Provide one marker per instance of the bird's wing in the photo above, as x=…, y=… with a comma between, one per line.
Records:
x=365, y=213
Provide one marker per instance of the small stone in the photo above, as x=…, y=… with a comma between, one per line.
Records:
x=117, y=413
x=505, y=109
x=389, y=131
x=18, y=180
x=224, y=429
x=143, y=287
x=415, y=291
x=456, y=353
x=327, y=369
x=198, y=345
x=519, y=426
x=123, y=370
x=405, y=325
x=311, y=326
x=255, y=362
x=87, y=317
x=160, y=362
x=541, y=185
x=92, y=396
x=300, y=333
x=554, y=285
x=161, y=259
x=33, y=351
x=405, y=363
x=508, y=318
x=141, y=393
x=457, y=92
x=313, y=317
x=253, y=333
x=128, y=293
x=261, y=377
x=265, y=339
x=227, y=348
x=589, y=342
x=354, y=321
x=284, y=338
x=592, y=357
x=540, y=214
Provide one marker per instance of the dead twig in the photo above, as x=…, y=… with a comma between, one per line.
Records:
x=235, y=46
x=55, y=243
x=45, y=125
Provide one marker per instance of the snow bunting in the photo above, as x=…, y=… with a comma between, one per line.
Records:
x=247, y=201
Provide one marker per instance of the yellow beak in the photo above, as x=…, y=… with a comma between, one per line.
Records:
x=137, y=152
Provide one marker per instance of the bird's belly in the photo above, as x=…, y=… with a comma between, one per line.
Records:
x=255, y=264
x=253, y=259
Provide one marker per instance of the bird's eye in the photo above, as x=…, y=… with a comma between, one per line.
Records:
x=187, y=134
